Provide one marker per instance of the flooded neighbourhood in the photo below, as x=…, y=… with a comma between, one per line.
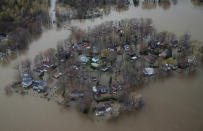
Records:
x=172, y=103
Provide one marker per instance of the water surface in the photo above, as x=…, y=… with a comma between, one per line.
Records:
x=173, y=104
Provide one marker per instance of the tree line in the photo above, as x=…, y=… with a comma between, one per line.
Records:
x=21, y=20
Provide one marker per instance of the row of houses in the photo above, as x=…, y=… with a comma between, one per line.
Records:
x=28, y=82
x=44, y=67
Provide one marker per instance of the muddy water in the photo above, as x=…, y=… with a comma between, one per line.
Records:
x=173, y=104
x=179, y=18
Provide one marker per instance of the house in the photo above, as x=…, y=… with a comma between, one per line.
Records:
x=93, y=78
x=84, y=59
x=191, y=60
x=75, y=67
x=158, y=43
x=2, y=55
x=95, y=50
x=118, y=49
x=127, y=47
x=48, y=64
x=153, y=45
x=133, y=58
x=3, y=37
x=111, y=49
x=94, y=89
x=87, y=46
x=56, y=74
x=94, y=65
x=100, y=111
x=39, y=85
x=95, y=59
x=104, y=69
x=166, y=67
x=149, y=71
x=40, y=70
x=108, y=107
x=8, y=51
x=116, y=87
x=100, y=89
x=174, y=43
x=27, y=81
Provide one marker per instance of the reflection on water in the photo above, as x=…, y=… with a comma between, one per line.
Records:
x=180, y=18
x=164, y=4
x=197, y=3
x=173, y=104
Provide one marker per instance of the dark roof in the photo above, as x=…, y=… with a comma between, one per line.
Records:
x=101, y=108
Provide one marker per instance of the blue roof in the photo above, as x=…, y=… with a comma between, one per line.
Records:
x=27, y=79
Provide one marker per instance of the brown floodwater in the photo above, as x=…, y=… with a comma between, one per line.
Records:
x=172, y=104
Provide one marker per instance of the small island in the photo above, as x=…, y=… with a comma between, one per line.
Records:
x=97, y=71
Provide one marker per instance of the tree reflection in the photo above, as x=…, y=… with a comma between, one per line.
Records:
x=153, y=4
x=197, y=2
x=85, y=9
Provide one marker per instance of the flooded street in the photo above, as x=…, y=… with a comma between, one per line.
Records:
x=172, y=104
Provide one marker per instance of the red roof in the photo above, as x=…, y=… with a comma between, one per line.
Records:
x=42, y=67
x=87, y=45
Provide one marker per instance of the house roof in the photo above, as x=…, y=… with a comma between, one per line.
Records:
x=42, y=68
x=87, y=45
x=84, y=59
x=149, y=71
x=95, y=59
x=27, y=81
x=27, y=78
x=99, y=88
x=101, y=108
x=95, y=64
x=39, y=84
x=95, y=50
